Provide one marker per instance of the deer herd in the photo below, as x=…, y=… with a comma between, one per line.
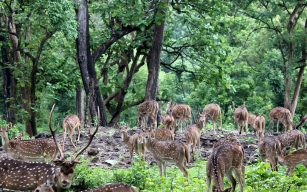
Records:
x=40, y=164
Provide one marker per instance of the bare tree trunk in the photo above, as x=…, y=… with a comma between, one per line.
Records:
x=153, y=63
x=80, y=104
x=300, y=76
x=294, y=16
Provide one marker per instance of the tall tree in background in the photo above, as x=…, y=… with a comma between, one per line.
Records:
x=153, y=62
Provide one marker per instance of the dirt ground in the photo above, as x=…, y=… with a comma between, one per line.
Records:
x=108, y=151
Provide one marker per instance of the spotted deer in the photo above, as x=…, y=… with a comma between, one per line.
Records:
x=148, y=111
x=192, y=135
x=293, y=159
x=293, y=138
x=259, y=126
x=282, y=115
x=163, y=134
x=32, y=150
x=226, y=157
x=71, y=122
x=134, y=142
x=169, y=122
x=23, y=176
x=45, y=187
x=180, y=112
x=240, y=116
x=270, y=148
x=212, y=112
x=163, y=151
x=251, y=119
x=114, y=187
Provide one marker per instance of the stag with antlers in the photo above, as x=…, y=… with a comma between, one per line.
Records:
x=71, y=122
x=180, y=112
x=20, y=175
x=148, y=111
x=240, y=116
x=212, y=112
x=283, y=115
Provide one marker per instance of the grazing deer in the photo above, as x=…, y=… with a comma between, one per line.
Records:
x=169, y=123
x=32, y=150
x=293, y=138
x=240, y=116
x=168, y=150
x=192, y=135
x=282, y=115
x=293, y=159
x=148, y=110
x=180, y=111
x=134, y=142
x=22, y=176
x=270, y=147
x=226, y=157
x=251, y=119
x=212, y=112
x=259, y=126
x=71, y=122
x=114, y=187
x=45, y=187
x=163, y=134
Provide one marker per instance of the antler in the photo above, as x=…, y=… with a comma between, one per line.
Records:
x=53, y=134
x=91, y=136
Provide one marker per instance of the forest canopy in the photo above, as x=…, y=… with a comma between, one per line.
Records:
x=115, y=54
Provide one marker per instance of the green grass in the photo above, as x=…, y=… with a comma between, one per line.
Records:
x=258, y=177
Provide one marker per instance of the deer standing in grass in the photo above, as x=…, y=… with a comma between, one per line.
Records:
x=32, y=150
x=282, y=115
x=240, y=116
x=293, y=159
x=180, y=112
x=133, y=142
x=259, y=126
x=114, y=187
x=169, y=123
x=226, y=158
x=270, y=147
x=148, y=110
x=192, y=136
x=212, y=112
x=163, y=151
x=23, y=176
x=71, y=122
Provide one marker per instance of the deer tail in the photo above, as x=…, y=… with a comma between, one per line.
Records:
x=217, y=177
x=187, y=152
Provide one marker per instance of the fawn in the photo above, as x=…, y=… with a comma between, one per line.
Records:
x=192, y=135
x=71, y=122
x=293, y=159
x=45, y=187
x=212, y=112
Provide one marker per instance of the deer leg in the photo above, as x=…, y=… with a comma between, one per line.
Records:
x=290, y=170
x=239, y=172
x=277, y=126
x=71, y=134
x=213, y=122
x=232, y=180
x=78, y=133
x=183, y=169
x=160, y=167
x=64, y=138
x=209, y=179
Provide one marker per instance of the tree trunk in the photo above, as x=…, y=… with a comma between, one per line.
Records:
x=300, y=76
x=294, y=16
x=153, y=64
x=86, y=63
x=80, y=104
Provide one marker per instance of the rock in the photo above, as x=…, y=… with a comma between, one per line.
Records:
x=111, y=162
x=92, y=151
